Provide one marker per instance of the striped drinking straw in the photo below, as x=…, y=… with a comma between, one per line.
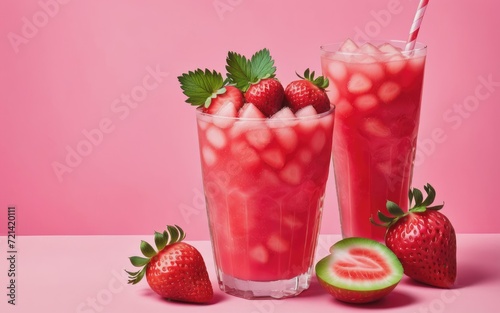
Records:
x=416, y=25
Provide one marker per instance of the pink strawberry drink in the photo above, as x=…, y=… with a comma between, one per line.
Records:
x=376, y=88
x=264, y=181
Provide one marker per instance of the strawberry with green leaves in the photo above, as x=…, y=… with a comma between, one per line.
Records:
x=176, y=271
x=308, y=91
x=256, y=78
x=423, y=239
x=207, y=89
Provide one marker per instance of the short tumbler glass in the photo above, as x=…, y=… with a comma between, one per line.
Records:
x=264, y=182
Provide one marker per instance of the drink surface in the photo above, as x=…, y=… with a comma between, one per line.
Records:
x=377, y=93
x=264, y=182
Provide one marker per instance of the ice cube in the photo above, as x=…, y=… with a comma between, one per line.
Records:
x=327, y=122
x=318, y=141
x=259, y=137
x=273, y=157
x=305, y=156
x=359, y=84
x=249, y=110
x=292, y=222
x=224, y=117
x=282, y=118
x=306, y=111
x=307, y=124
x=388, y=91
x=245, y=154
x=291, y=173
x=276, y=243
x=368, y=48
x=395, y=64
x=284, y=113
x=366, y=102
x=370, y=67
x=203, y=124
x=216, y=137
x=209, y=156
x=287, y=138
x=387, y=48
x=375, y=127
x=344, y=109
x=336, y=71
x=348, y=46
x=259, y=254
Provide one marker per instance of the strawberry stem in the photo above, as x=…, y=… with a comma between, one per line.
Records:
x=420, y=206
x=171, y=235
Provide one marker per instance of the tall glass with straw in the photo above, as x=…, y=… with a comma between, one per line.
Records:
x=376, y=87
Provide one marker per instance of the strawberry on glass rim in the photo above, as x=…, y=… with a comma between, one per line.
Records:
x=308, y=91
x=423, y=239
x=256, y=78
x=208, y=90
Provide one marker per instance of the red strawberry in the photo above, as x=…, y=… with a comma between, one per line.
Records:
x=267, y=95
x=208, y=90
x=423, y=239
x=176, y=272
x=255, y=77
x=308, y=91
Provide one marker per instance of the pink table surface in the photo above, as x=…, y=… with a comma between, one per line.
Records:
x=85, y=274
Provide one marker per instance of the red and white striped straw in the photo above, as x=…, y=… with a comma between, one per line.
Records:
x=415, y=27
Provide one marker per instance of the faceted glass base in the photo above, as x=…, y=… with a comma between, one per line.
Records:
x=277, y=289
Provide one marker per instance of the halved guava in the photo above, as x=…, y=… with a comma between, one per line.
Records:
x=359, y=270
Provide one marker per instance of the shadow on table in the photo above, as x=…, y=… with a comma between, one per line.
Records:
x=467, y=275
x=393, y=300
x=219, y=296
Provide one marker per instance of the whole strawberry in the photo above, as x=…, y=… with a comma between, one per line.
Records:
x=208, y=90
x=423, y=239
x=176, y=272
x=256, y=78
x=308, y=91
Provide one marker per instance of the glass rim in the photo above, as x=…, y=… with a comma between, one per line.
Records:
x=333, y=47
x=208, y=116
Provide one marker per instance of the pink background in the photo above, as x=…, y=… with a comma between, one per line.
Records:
x=65, y=68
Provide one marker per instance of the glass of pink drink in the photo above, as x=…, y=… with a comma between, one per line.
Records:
x=264, y=182
x=376, y=88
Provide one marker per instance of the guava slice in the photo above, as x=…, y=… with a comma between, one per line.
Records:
x=359, y=270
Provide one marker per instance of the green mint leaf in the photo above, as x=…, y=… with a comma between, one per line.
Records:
x=239, y=70
x=243, y=72
x=262, y=65
x=200, y=86
x=410, y=196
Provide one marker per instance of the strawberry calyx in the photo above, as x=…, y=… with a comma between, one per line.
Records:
x=169, y=236
x=202, y=86
x=320, y=82
x=243, y=72
x=420, y=206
